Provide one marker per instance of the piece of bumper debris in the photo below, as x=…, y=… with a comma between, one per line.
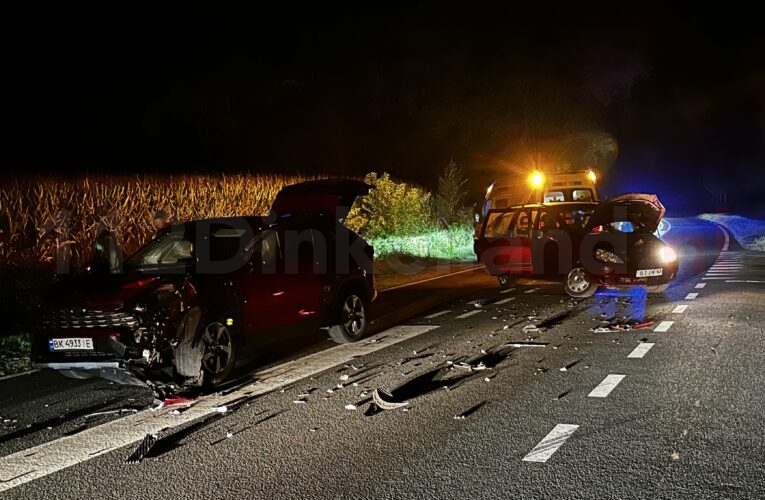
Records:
x=385, y=400
x=569, y=366
x=528, y=344
x=177, y=401
x=112, y=412
x=467, y=366
x=622, y=327
x=143, y=449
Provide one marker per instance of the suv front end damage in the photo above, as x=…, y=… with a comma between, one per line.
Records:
x=120, y=335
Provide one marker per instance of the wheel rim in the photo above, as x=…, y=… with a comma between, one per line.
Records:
x=503, y=281
x=217, y=353
x=354, y=316
x=577, y=280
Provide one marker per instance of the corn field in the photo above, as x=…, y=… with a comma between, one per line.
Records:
x=49, y=220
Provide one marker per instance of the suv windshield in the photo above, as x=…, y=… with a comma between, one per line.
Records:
x=166, y=250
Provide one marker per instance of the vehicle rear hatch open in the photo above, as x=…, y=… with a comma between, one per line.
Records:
x=325, y=196
x=620, y=207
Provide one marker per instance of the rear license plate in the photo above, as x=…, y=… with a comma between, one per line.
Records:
x=71, y=344
x=642, y=273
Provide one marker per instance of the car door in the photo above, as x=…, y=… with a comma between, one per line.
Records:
x=263, y=290
x=505, y=245
x=551, y=244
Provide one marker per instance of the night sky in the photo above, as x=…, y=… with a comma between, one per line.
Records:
x=664, y=99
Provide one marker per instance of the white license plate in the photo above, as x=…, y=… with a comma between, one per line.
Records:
x=642, y=273
x=71, y=344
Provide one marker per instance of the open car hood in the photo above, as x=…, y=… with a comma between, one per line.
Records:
x=325, y=196
x=618, y=209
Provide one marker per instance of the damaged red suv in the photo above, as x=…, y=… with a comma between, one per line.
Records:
x=202, y=296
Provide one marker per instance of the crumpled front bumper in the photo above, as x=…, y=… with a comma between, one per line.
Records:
x=114, y=371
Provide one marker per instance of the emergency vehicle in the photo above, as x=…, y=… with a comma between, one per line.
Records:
x=579, y=186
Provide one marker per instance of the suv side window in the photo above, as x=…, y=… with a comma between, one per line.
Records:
x=524, y=223
x=265, y=249
x=498, y=224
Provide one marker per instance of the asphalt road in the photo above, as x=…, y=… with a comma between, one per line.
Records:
x=508, y=395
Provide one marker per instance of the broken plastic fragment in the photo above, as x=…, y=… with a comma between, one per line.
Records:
x=350, y=407
x=143, y=449
x=463, y=366
x=220, y=409
x=344, y=377
x=177, y=401
x=386, y=401
x=565, y=368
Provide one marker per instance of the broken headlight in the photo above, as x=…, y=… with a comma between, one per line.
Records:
x=602, y=255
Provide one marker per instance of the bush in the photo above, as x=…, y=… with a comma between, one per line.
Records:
x=392, y=209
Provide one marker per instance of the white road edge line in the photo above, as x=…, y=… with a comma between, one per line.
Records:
x=550, y=444
x=468, y=314
x=440, y=313
x=663, y=326
x=727, y=238
x=640, y=350
x=604, y=388
x=431, y=279
x=680, y=309
x=14, y=375
x=34, y=463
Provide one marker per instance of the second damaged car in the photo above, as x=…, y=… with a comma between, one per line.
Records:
x=202, y=296
x=614, y=244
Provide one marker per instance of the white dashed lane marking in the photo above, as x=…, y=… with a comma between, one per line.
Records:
x=700, y=285
x=691, y=296
x=503, y=301
x=640, y=350
x=663, y=326
x=550, y=444
x=604, y=388
x=532, y=290
x=508, y=290
x=467, y=314
x=680, y=309
x=440, y=313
